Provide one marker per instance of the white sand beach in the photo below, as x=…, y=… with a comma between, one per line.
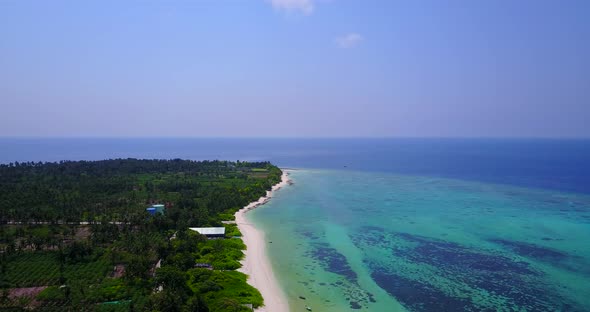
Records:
x=256, y=263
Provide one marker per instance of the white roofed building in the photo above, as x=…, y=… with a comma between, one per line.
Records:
x=210, y=232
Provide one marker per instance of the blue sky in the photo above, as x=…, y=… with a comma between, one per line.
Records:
x=297, y=68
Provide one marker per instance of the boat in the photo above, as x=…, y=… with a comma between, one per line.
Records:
x=301, y=297
x=308, y=308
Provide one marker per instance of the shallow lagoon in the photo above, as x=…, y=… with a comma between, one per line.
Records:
x=349, y=240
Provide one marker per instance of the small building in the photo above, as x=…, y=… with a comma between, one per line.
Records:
x=154, y=209
x=159, y=208
x=207, y=266
x=210, y=232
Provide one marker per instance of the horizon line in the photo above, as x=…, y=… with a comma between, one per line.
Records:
x=307, y=137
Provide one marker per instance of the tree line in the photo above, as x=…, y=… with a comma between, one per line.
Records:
x=77, y=262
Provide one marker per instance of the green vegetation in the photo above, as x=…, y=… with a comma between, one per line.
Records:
x=29, y=269
x=224, y=290
x=78, y=234
x=222, y=254
x=231, y=230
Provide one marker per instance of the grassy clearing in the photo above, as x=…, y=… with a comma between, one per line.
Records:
x=43, y=269
x=224, y=290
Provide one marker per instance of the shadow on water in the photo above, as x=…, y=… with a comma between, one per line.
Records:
x=532, y=251
x=418, y=296
x=428, y=274
x=543, y=254
x=451, y=255
x=332, y=261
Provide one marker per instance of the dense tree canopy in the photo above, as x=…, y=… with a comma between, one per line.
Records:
x=121, y=189
x=80, y=229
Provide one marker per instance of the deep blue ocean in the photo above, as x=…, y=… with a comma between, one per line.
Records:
x=404, y=224
x=553, y=164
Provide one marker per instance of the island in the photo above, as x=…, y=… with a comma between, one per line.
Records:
x=128, y=234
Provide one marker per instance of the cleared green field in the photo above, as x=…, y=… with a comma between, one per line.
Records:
x=31, y=269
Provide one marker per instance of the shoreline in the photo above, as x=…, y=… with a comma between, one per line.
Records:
x=256, y=263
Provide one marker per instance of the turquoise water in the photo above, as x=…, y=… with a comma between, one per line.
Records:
x=370, y=241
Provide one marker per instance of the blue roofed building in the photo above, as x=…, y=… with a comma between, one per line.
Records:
x=155, y=209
